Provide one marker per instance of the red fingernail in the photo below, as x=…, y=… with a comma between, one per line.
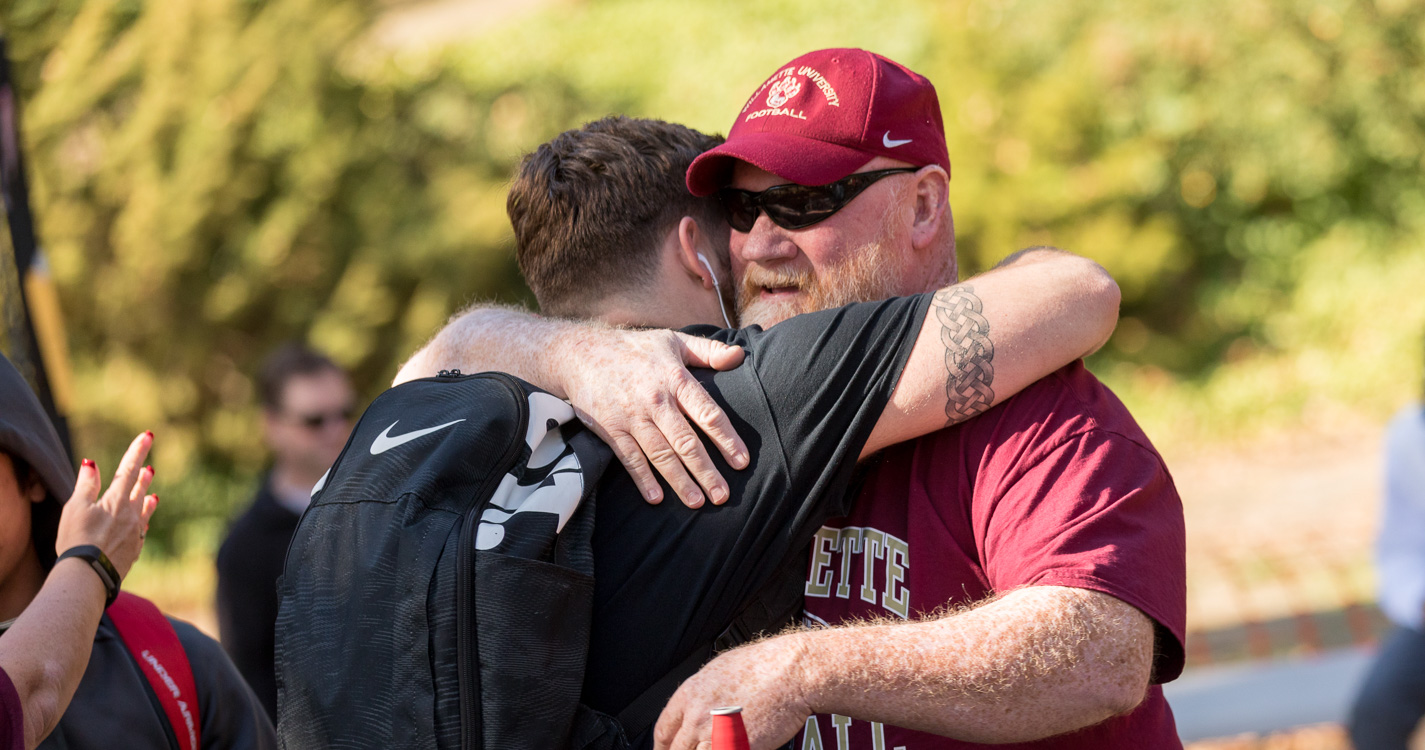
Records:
x=150, y=470
x=87, y=463
x=149, y=433
x=155, y=499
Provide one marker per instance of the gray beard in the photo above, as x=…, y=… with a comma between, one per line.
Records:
x=863, y=277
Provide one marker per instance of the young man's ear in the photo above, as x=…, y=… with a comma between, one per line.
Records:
x=692, y=251
x=932, y=202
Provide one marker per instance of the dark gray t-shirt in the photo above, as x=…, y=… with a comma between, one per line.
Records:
x=668, y=579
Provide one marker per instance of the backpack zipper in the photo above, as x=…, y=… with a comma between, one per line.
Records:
x=465, y=649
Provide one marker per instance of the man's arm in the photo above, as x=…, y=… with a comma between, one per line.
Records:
x=632, y=388
x=1038, y=310
x=987, y=338
x=1032, y=663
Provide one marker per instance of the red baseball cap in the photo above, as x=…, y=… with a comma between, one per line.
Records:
x=824, y=115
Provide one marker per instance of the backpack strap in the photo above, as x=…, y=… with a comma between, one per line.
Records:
x=772, y=608
x=151, y=640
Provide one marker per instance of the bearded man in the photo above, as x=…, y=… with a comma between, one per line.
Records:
x=1015, y=578
x=594, y=242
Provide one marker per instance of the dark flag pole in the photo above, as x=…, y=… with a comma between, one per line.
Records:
x=25, y=344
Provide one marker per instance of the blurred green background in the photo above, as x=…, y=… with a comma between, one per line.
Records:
x=212, y=177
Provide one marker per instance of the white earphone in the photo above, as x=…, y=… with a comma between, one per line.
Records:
x=716, y=288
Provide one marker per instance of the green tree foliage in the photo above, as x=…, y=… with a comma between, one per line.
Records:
x=1250, y=171
x=211, y=180
x=215, y=176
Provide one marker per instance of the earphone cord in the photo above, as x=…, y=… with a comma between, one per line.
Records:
x=720, y=304
x=716, y=287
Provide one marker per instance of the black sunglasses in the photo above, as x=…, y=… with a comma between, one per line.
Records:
x=797, y=206
x=316, y=422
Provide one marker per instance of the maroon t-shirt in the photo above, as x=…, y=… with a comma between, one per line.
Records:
x=1057, y=486
x=12, y=715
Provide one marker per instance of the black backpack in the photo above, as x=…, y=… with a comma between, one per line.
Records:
x=438, y=591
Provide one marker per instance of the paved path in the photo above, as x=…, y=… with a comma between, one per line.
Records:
x=1267, y=697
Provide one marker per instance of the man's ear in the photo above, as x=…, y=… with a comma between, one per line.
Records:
x=692, y=242
x=932, y=201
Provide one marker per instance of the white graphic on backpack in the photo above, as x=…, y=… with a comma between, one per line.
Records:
x=560, y=479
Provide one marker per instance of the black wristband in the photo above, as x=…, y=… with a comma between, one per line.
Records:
x=101, y=565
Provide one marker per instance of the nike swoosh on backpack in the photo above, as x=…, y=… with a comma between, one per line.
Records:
x=385, y=441
x=888, y=143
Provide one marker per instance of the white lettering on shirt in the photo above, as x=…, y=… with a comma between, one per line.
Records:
x=811, y=734
x=843, y=730
x=850, y=547
x=819, y=583
x=876, y=549
x=873, y=541
x=896, y=597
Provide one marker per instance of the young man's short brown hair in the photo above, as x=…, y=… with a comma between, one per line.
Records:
x=591, y=207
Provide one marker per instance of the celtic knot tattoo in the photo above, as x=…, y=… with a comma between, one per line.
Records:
x=969, y=353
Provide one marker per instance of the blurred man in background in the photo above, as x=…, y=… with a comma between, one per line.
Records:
x=1392, y=700
x=307, y=403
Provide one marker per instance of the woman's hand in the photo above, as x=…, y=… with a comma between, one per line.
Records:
x=115, y=523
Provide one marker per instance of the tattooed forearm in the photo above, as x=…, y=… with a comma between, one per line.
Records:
x=969, y=353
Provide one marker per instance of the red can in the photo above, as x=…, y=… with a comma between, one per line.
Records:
x=728, y=733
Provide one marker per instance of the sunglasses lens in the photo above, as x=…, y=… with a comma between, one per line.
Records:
x=740, y=207
x=798, y=206
x=318, y=421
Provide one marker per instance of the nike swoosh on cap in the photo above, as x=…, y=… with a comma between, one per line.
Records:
x=888, y=143
x=385, y=441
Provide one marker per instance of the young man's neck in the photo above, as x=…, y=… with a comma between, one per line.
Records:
x=20, y=586
x=675, y=297
x=653, y=313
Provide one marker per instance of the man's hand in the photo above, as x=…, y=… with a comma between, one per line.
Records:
x=764, y=678
x=1032, y=663
x=633, y=389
